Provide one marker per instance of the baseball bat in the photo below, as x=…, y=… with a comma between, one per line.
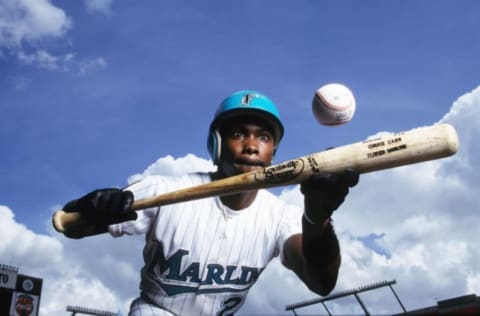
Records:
x=384, y=152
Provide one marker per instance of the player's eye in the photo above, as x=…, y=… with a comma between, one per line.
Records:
x=265, y=138
x=236, y=134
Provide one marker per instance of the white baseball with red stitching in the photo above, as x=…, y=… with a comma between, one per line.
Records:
x=333, y=104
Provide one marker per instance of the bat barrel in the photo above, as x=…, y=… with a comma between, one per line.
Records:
x=451, y=139
x=417, y=145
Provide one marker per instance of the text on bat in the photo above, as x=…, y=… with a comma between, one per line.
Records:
x=386, y=151
x=394, y=140
x=283, y=172
x=313, y=164
x=376, y=153
x=375, y=145
x=397, y=148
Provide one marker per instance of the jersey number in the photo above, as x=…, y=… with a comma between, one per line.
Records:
x=230, y=306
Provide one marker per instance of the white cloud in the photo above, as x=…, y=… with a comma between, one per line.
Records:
x=473, y=282
x=423, y=217
x=172, y=167
x=101, y=6
x=30, y=20
x=43, y=59
x=40, y=58
x=25, y=25
x=74, y=272
x=87, y=66
x=23, y=245
x=77, y=291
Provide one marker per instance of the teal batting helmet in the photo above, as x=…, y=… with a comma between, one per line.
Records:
x=243, y=103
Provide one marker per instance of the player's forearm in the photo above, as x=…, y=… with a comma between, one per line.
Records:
x=321, y=252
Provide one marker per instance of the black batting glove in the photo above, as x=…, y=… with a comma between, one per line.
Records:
x=104, y=206
x=324, y=192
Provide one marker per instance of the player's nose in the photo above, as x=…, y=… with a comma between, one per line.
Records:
x=250, y=145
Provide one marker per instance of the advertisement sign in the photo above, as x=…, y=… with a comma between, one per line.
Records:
x=8, y=277
x=26, y=298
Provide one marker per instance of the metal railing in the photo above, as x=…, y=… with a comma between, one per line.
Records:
x=353, y=292
x=88, y=311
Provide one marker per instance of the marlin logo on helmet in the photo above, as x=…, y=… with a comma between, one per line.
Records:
x=238, y=104
x=247, y=98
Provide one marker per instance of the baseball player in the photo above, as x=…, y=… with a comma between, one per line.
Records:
x=201, y=257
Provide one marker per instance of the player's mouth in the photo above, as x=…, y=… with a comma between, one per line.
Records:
x=249, y=165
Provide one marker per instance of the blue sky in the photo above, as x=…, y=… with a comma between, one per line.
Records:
x=95, y=92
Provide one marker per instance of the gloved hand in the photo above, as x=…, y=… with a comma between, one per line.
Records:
x=104, y=206
x=325, y=192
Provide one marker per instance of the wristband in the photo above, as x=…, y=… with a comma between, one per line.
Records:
x=327, y=221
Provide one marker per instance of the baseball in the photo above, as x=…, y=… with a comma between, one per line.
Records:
x=333, y=104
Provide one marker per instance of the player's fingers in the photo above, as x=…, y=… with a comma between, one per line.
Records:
x=318, y=181
x=128, y=199
x=330, y=181
x=350, y=177
x=118, y=201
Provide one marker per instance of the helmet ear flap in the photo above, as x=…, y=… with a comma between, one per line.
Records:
x=214, y=145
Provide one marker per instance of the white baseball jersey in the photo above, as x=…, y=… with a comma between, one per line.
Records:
x=201, y=257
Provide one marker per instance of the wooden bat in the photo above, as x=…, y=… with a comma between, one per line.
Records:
x=384, y=152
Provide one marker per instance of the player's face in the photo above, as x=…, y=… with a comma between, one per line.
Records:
x=247, y=145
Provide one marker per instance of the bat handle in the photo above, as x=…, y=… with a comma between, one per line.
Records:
x=74, y=225
x=62, y=221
